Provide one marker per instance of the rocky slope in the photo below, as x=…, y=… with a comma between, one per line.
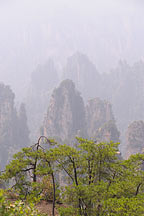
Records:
x=12, y=125
x=108, y=132
x=98, y=112
x=84, y=74
x=135, y=138
x=123, y=87
x=65, y=117
x=100, y=121
x=43, y=81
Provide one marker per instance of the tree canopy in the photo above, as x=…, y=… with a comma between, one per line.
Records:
x=88, y=178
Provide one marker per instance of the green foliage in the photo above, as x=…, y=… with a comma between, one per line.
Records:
x=94, y=181
x=17, y=208
x=98, y=182
x=69, y=211
x=28, y=169
x=124, y=206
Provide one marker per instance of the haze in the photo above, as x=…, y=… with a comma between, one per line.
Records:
x=33, y=30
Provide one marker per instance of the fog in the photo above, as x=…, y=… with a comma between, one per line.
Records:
x=33, y=30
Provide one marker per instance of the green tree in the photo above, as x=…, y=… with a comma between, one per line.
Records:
x=27, y=169
x=17, y=208
x=94, y=180
x=97, y=179
x=88, y=166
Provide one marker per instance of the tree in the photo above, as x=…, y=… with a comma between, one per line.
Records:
x=96, y=181
x=28, y=167
x=16, y=208
x=88, y=166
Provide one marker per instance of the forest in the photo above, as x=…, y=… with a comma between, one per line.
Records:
x=90, y=178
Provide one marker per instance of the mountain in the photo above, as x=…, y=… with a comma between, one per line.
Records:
x=122, y=87
x=65, y=116
x=100, y=121
x=43, y=80
x=13, y=126
x=135, y=138
x=68, y=117
x=98, y=112
x=83, y=73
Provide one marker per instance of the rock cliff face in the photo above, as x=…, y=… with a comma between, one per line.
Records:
x=66, y=113
x=67, y=116
x=43, y=81
x=84, y=74
x=135, y=138
x=108, y=132
x=23, y=131
x=10, y=124
x=122, y=87
x=7, y=113
x=98, y=112
x=100, y=121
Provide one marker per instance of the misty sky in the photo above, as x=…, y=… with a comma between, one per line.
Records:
x=33, y=30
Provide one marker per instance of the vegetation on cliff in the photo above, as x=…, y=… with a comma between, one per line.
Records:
x=88, y=178
x=14, y=133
